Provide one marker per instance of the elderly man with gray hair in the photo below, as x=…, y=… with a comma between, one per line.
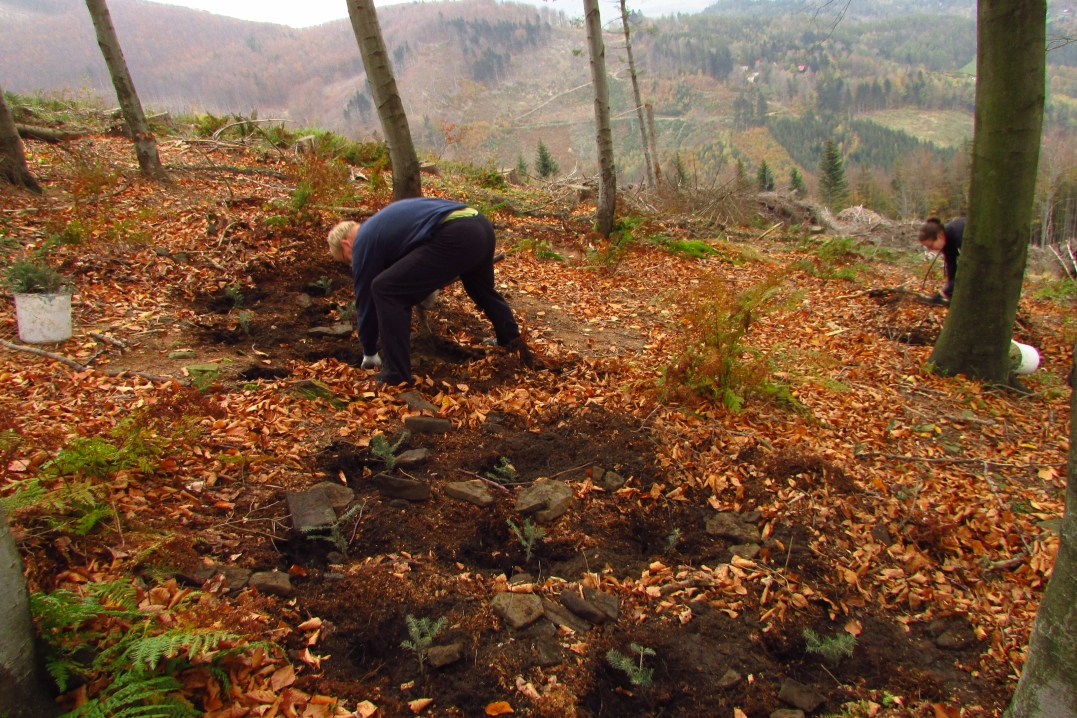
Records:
x=403, y=254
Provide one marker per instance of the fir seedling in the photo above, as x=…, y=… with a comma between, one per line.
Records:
x=672, y=540
x=832, y=648
x=527, y=536
x=504, y=472
x=325, y=284
x=335, y=535
x=521, y=168
x=422, y=632
x=381, y=448
x=638, y=675
x=233, y=293
x=244, y=319
x=34, y=278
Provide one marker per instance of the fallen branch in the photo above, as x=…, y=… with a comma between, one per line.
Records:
x=82, y=367
x=44, y=134
x=483, y=478
x=108, y=340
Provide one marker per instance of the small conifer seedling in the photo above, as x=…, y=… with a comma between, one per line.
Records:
x=423, y=631
x=638, y=675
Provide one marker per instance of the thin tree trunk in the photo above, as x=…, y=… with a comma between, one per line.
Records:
x=607, y=173
x=1048, y=685
x=145, y=143
x=654, y=144
x=1010, y=72
x=21, y=694
x=639, y=101
x=394, y=123
x=12, y=156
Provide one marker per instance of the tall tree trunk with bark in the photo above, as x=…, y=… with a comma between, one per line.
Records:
x=21, y=693
x=1010, y=74
x=654, y=144
x=145, y=143
x=639, y=100
x=1048, y=685
x=607, y=173
x=394, y=123
x=12, y=157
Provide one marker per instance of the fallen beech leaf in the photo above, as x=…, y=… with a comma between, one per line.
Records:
x=742, y=562
x=527, y=689
x=944, y=711
x=578, y=648
x=419, y=704
x=738, y=713
x=365, y=709
x=310, y=624
x=312, y=660
x=854, y=627
x=282, y=677
x=499, y=708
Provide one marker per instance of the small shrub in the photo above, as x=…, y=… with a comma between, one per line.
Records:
x=245, y=318
x=527, y=536
x=504, y=472
x=638, y=675
x=380, y=447
x=325, y=284
x=423, y=631
x=832, y=648
x=232, y=291
x=34, y=278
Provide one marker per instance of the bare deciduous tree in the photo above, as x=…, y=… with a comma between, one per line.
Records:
x=607, y=173
x=12, y=157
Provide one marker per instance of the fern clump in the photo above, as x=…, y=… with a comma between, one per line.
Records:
x=423, y=631
x=381, y=448
x=637, y=674
x=832, y=648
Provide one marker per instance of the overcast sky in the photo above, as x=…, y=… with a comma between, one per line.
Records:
x=316, y=12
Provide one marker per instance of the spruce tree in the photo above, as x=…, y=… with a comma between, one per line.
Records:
x=742, y=173
x=521, y=168
x=796, y=183
x=545, y=164
x=764, y=178
x=680, y=172
x=833, y=187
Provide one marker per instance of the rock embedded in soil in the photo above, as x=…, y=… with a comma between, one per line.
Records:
x=797, y=694
x=473, y=492
x=304, y=300
x=787, y=713
x=521, y=578
x=751, y=517
x=609, y=605
x=416, y=401
x=563, y=617
x=273, y=583
x=956, y=638
x=441, y=656
x=340, y=329
x=546, y=500
x=611, y=481
x=339, y=495
x=427, y=425
x=730, y=527
x=235, y=578
x=182, y=354
x=547, y=652
x=310, y=510
x=729, y=679
x=398, y=487
x=518, y=610
x=334, y=557
x=412, y=458
x=573, y=602
x=745, y=550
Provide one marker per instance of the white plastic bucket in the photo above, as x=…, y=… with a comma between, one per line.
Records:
x=1023, y=358
x=43, y=318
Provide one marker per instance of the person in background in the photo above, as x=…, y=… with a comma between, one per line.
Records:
x=945, y=239
x=403, y=254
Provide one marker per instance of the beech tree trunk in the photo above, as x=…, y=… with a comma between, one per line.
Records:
x=12, y=156
x=654, y=144
x=1010, y=75
x=1048, y=685
x=394, y=123
x=649, y=171
x=607, y=173
x=145, y=143
x=21, y=693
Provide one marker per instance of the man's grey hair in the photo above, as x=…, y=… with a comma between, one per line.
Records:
x=339, y=231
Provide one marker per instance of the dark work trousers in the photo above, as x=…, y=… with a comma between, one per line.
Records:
x=458, y=248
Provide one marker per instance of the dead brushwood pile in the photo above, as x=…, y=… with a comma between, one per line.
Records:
x=736, y=487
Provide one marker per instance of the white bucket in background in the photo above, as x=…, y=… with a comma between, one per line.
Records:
x=1023, y=358
x=43, y=318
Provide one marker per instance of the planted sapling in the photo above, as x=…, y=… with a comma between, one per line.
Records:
x=381, y=448
x=832, y=648
x=504, y=472
x=325, y=284
x=422, y=632
x=638, y=675
x=527, y=536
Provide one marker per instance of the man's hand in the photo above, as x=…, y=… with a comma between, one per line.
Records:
x=372, y=361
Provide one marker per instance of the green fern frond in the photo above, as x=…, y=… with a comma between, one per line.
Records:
x=27, y=493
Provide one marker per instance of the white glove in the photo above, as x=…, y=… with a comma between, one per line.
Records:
x=372, y=361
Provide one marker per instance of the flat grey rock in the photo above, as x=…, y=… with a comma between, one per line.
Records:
x=338, y=495
x=235, y=578
x=610, y=481
x=182, y=354
x=340, y=329
x=563, y=617
x=518, y=610
x=412, y=457
x=310, y=510
x=729, y=679
x=745, y=550
x=334, y=557
x=787, y=713
x=473, y=492
x=427, y=425
x=546, y=500
x=416, y=401
x=304, y=300
x=273, y=583
x=730, y=527
x=572, y=601
x=521, y=578
x=397, y=487
x=547, y=652
x=751, y=517
x=797, y=694
x=609, y=605
x=441, y=656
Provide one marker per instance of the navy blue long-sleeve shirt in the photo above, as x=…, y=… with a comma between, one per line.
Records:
x=955, y=233
x=381, y=242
